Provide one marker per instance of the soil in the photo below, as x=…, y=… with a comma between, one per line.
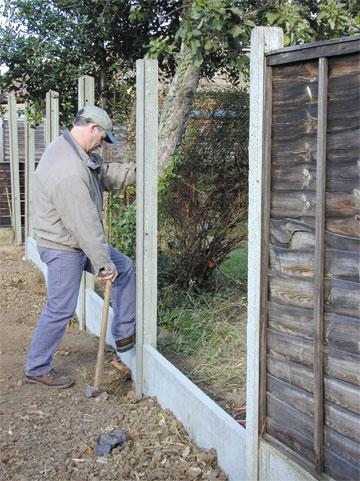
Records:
x=49, y=434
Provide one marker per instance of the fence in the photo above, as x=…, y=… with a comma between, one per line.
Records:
x=302, y=385
x=309, y=287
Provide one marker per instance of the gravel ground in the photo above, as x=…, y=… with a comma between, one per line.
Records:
x=52, y=435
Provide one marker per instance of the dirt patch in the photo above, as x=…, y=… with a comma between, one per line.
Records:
x=51, y=435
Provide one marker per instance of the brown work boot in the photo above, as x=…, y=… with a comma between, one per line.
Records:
x=50, y=379
x=123, y=345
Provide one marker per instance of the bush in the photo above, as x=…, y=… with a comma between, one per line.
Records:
x=205, y=200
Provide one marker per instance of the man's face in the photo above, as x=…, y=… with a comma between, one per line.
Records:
x=96, y=138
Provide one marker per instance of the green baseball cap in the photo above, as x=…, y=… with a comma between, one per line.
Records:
x=97, y=115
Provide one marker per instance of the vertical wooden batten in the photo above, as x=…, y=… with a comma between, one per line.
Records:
x=266, y=202
x=319, y=266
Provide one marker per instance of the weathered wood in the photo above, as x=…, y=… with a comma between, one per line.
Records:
x=342, y=421
x=339, y=264
x=339, y=393
x=293, y=396
x=302, y=203
x=305, y=53
x=300, y=234
x=341, y=177
x=338, y=364
x=339, y=468
x=342, y=365
x=292, y=425
x=291, y=320
x=342, y=446
x=292, y=440
x=343, y=66
x=319, y=267
x=265, y=242
x=341, y=296
x=341, y=332
x=342, y=394
x=291, y=348
x=292, y=373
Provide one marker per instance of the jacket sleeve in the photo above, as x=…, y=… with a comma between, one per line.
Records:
x=78, y=213
x=116, y=176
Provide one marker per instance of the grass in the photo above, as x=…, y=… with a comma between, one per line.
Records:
x=207, y=332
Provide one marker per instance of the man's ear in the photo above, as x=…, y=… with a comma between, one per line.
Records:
x=93, y=127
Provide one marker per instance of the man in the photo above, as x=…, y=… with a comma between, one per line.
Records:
x=67, y=223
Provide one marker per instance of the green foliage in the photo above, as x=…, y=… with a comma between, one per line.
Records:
x=123, y=226
x=307, y=21
x=205, y=199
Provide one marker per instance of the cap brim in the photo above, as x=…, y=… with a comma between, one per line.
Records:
x=110, y=139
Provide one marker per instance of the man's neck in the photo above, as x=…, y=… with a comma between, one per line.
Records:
x=78, y=135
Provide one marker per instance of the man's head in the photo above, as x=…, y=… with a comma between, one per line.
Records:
x=92, y=126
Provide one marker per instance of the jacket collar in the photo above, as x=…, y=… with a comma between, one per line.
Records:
x=92, y=161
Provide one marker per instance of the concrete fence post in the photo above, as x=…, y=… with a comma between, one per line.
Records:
x=14, y=169
x=263, y=39
x=86, y=95
x=52, y=116
x=29, y=175
x=146, y=210
x=1, y=138
x=86, y=91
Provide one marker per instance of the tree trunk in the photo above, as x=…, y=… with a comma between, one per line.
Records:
x=177, y=107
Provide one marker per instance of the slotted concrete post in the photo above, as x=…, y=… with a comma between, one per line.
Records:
x=146, y=210
x=86, y=91
x=86, y=95
x=14, y=169
x=263, y=39
x=52, y=116
x=29, y=175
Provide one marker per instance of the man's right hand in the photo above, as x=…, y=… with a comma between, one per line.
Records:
x=108, y=275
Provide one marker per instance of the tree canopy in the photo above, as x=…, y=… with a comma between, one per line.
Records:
x=49, y=44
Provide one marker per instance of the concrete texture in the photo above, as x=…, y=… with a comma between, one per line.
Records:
x=263, y=39
x=276, y=466
x=208, y=424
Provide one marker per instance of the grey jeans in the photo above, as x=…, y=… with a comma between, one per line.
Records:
x=64, y=271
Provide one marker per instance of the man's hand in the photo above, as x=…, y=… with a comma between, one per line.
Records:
x=108, y=275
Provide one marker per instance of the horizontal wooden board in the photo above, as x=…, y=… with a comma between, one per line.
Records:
x=343, y=66
x=338, y=393
x=341, y=177
x=299, y=73
x=291, y=320
x=291, y=438
x=342, y=446
x=287, y=415
x=293, y=396
x=340, y=297
x=291, y=372
x=342, y=421
x=342, y=394
x=342, y=365
x=302, y=203
x=338, y=264
x=339, y=468
x=304, y=53
x=340, y=332
x=338, y=364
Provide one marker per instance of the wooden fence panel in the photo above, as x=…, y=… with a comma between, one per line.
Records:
x=311, y=350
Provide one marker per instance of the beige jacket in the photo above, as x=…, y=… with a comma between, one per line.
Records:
x=68, y=199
